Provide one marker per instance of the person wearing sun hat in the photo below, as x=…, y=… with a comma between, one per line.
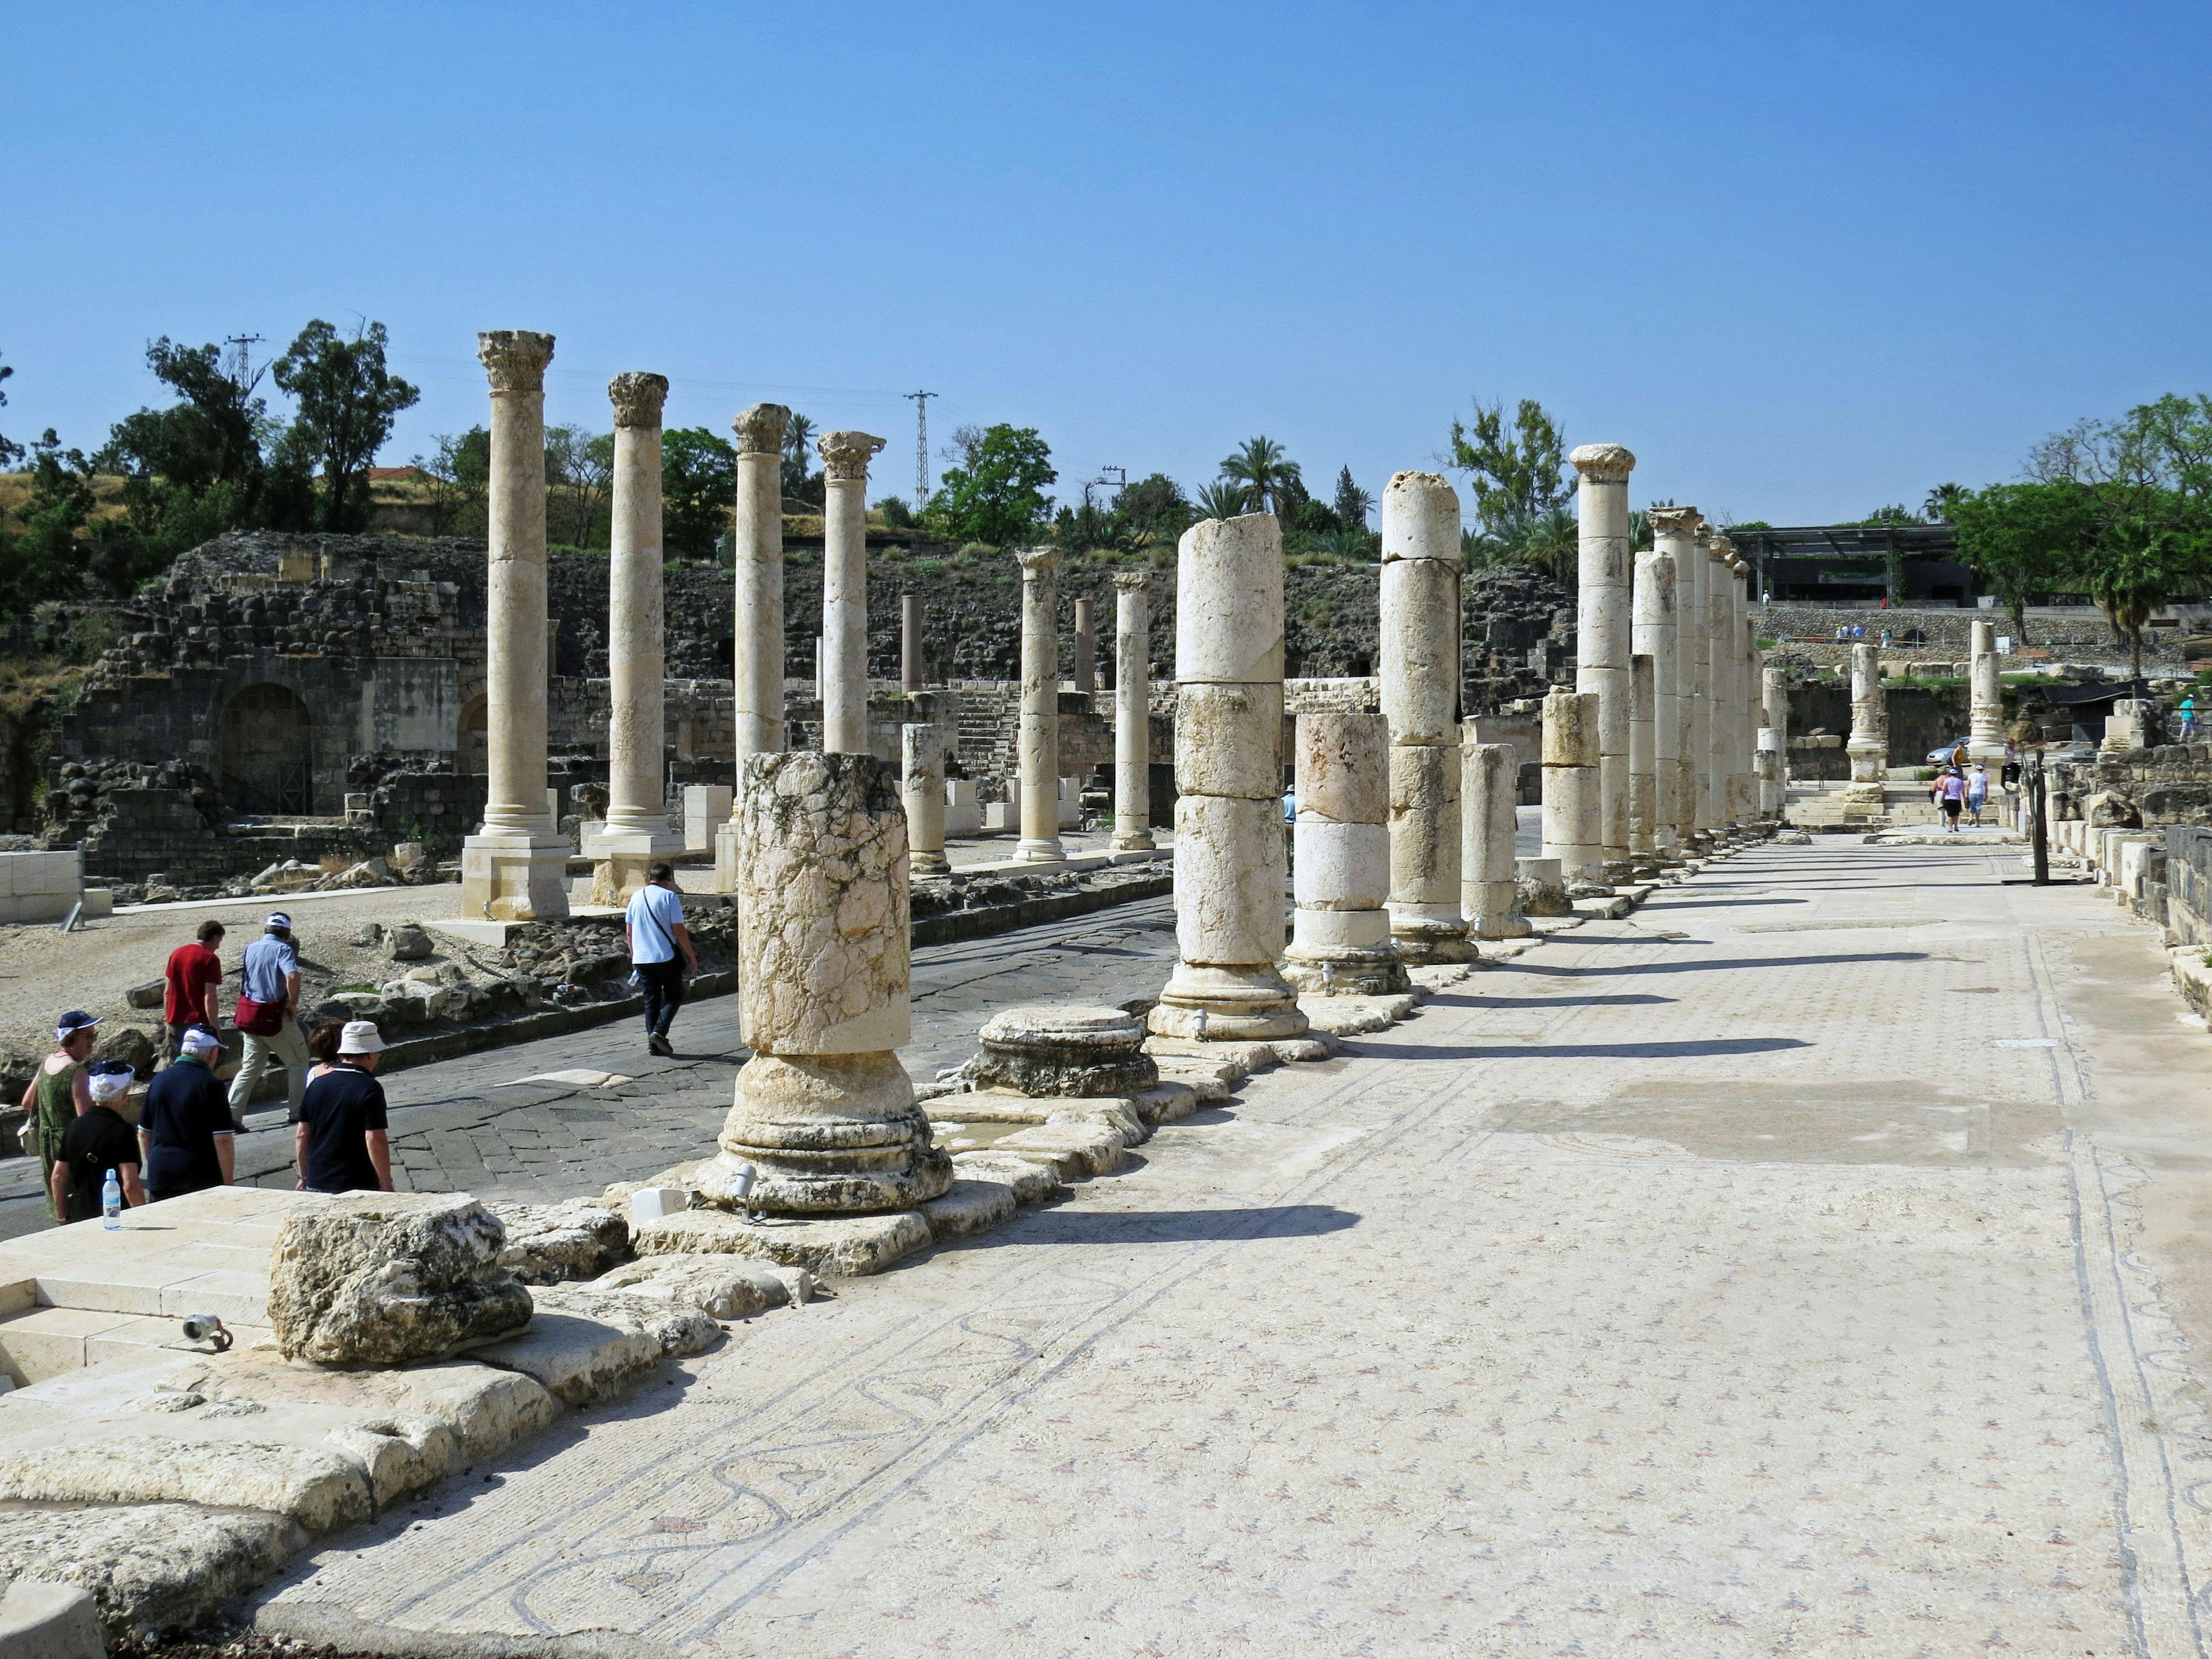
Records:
x=269, y=998
x=97, y=1142
x=185, y=1129
x=340, y=1135
x=59, y=1091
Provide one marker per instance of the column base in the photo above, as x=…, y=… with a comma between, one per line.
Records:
x=1136, y=840
x=928, y=864
x=1345, y=971
x=620, y=859
x=1512, y=925
x=514, y=875
x=826, y=1134
x=1226, y=1005
x=1039, y=851
x=1858, y=792
x=1426, y=940
x=726, y=857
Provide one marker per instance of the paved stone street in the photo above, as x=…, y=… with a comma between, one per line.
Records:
x=1809, y=1264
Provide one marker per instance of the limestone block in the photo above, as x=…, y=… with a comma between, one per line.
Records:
x=1425, y=831
x=1229, y=739
x=1228, y=879
x=714, y=1285
x=44, y=1620
x=549, y=1242
x=147, y=1566
x=1028, y=1181
x=823, y=905
x=385, y=1279
x=1419, y=636
x=1342, y=767
x=319, y=1490
x=1065, y=1051
x=970, y=1206
x=399, y=1458
x=1420, y=518
x=1073, y=1149
x=1570, y=728
x=846, y=1246
x=676, y=1329
x=1542, y=886
x=579, y=1358
x=1321, y=932
x=1164, y=1103
x=1339, y=867
x=826, y=1134
x=1231, y=579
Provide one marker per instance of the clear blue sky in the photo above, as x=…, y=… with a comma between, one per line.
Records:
x=1802, y=259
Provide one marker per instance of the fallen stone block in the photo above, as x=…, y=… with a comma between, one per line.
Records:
x=681, y=1331
x=1073, y=1149
x=1165, y=1103
x=1342, y=1016
x=718, y=1287
x=397, y=1457
x=579, y=1359
x=152, y=994
x=1111, y=1113
x=158, y=1566
x=547, y=1243
x=1030, y=1179
x=1252, y=1057
x=45, y=1620
x=1290, y=1050
x=318, y=1489
x=970, y=1207
x=835, y=1247
x=1211, y=1085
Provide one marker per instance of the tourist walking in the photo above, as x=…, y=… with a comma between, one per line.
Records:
x=1951, y=790
x=340, y=1137
x=185, y=1129
x=269, y=1018
x=654, y=929
x=99, y=1143
x=192, y=978
x=61, y=1089
x=1978, y=790
x=322, y=1047
x=2188, y=712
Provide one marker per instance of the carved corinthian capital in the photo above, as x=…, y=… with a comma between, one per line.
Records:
x=515, y=358
x=1132, y=581
x=760, y=428
x=1676, y=520
x=1037, y=561
x=637, y=396
x=846, y=455
x=1603, y=463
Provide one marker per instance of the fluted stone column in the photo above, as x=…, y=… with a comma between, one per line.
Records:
x=637, y=831
x=1643, y=771
x=1655, y=637
x=1133, y=713
x=1985, y=705
x=910, y=676
x=1570, y=785
x=1087, y=649
x=1420, y=698
x=1341, y=931
x=1602, y=626
x=515, y=867
x=1732, y=737
x=1037, y=751
x=1868, y=745
x=922, y=754
x=845, y=458
x=757, y=693
x=1751, y=663
x=1489, y=897
x=824, y=1111
x=1774, y=743
x=1229, y=776
x=1713, y=639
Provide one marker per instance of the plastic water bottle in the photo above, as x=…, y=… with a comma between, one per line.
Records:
x=111, y=1202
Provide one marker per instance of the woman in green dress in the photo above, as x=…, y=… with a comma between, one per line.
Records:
x=61, y=1089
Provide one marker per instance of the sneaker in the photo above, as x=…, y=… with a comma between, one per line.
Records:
x=660, y=1044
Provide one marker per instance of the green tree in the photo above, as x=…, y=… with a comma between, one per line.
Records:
x=52, y=556
x=579, y=467
x=2023, y=538
x=997, y=496
x=456, y=474
x=1224, y=499
x=347, y=401
x=801, y=482
x=1942, y=501
x=1155, y=506
x=2138, y=566
x=1551, y=540
x=698, y=490
x=1895, y=512
x=1270, y=477
x=9, y=453
x=1518, y=474
x=211, y=435
x=1353, y=504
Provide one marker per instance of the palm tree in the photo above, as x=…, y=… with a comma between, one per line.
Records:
x=1261, y=465
x=798, y=435
x=1943, y=500
x=2135, y=569
x=1224, y=500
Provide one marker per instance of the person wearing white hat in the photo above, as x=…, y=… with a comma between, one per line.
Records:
x=185, y=1128
x=341, y=1137
x=269, y=1019
x=98, y=1142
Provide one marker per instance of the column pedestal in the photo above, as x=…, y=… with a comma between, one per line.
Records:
x=1340, y=941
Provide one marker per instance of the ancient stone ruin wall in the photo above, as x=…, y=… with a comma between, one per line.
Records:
x=2137, y=788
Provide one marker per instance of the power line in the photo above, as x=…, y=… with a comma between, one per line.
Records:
x=921, y=449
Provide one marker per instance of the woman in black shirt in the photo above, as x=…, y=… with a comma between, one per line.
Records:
x=340, y=1135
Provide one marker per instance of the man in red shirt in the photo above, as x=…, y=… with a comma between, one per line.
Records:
x=193, y=974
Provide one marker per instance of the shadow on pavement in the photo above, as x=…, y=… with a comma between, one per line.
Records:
x=1694, y=1050
x=1709, y=966
x=1076, y=1226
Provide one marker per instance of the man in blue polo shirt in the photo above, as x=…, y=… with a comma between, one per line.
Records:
x=653, y=925
x=272, y=978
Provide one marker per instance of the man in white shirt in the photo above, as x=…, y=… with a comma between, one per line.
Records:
x=654, y=927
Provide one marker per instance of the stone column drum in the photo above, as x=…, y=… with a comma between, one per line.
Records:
x=757, y=553
x=1570, y=785
x=515, y=867
x=1036, y=750
x=1490, y=897
x=1087, y=649
x=1341, y=874
x=845, y=458
x=1773, y=744
x=1133, y=713
x=1868, y=745
x=824, y=1112
x=1655, y=637
x=1228, y=773
x=1986, y=739
x=1420, y=675
x=922, y=776
x=637, y=831
x=1674, y=533
x=1643, y=772
x=1602, y=626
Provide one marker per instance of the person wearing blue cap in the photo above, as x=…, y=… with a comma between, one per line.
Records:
x=185, y=1129
x=99, y=1142
x=269, y=1019
x=60, y=1089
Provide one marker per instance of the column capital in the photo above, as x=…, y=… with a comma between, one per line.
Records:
x=1682, y=520
x=1702, y=534
x=637, y=396
x=1722, y=548
x=515, y=358
x=1037, y=561
x=1132, y=581
x=760, y=428
x=1603, y=463
x=846, y=455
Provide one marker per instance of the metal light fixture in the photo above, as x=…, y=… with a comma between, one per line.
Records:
x=207, y=1328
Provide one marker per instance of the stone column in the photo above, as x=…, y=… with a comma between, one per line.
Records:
x=1712, y=643
x=1654, y=637
x=921, y=753
x=757, y=693
x=845, y=457
x=515, y=867
x=1570, y=785
x=1674, y=532
x=1340, y=932
x=1732, y=741
x=1036, y=753
x=1986, y=700
x=1087, y=649
x=1228, y=773
x=1774, y=743
x=1602, y=627
x=637, y=831
x=1420, y=698
x=1869, y=746
x=1489, y=897
x=1751, y=664
x=1133, y=713
x=1642, y=769
x=909, y=643
x=824, y=1112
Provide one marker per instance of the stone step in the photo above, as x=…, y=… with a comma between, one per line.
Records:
x=49, y=1342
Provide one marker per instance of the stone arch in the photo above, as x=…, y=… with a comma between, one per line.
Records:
x=472, y=750
x=265, y=744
